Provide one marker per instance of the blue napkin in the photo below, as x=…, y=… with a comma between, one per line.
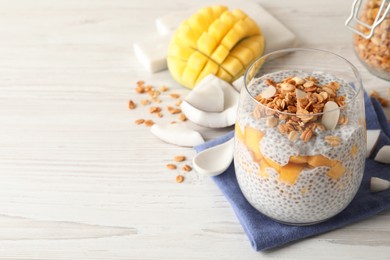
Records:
x=265, y=233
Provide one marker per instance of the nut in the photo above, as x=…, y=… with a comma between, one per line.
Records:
x=156, y=100
x=132, y=105
x=179, y=178
x=298, y=80
x=159, y=114
x=171, y=166
x=149, y=122
x=163, y=88
x=178, y=103
x=308, y=84
x=307, y=135
x=272, y=121
x=293, y=136
x=174, y=95
x=343, y=120
x=182, y=117
x=333, y=140
x=140, y=89
x=154, y=109
x=173, y=110
x=179, y=158
x=140, y=121
x=145, y=102
x=140, y=83
x=187, y=168
x=288, y=87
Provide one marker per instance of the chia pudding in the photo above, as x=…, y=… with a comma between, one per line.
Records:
x=290, y=166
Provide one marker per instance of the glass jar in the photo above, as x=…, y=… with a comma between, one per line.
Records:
x=300, y=135
x=372, y=44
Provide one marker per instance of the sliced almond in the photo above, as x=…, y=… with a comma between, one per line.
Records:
x=268, y=92
x=372, y=139
x=308, y=84
x=300, y=94
x=331, y=115
x=378, y=184
x=298, y=81
x=383, y=155
x=288, y=87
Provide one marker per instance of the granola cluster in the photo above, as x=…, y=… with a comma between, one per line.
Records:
x=295, y=106
x=375, y=52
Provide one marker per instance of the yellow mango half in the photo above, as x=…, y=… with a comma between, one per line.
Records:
x=229, y=39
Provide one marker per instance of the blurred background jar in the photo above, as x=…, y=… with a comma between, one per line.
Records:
x=370, y=20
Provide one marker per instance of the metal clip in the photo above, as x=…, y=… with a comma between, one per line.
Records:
x=378, y=19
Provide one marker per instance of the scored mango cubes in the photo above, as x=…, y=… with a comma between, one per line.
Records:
x=214, y=41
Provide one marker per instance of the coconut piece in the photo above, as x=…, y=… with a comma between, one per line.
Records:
x=178, y=134
x=239, y=83
x=372, y=139
x=215, y=120
x=268, y=92
x=383, y=155
x=378, y=184
x=331, y=115
x=300, y=93
x=207, y=95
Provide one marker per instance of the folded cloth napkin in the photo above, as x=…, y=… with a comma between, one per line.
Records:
x=265, y=233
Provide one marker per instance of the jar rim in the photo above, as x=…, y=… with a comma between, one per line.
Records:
x=358, y=88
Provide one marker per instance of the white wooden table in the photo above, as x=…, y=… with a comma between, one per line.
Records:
x=79, y=180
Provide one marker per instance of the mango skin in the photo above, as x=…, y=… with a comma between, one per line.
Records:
x=215, y=41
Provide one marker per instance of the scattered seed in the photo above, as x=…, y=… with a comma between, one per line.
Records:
x=159, y=114
x=171, y=166
x=149, y=122
x=140, y=121
x=140, y=83
x=179, y=158
x=132, y=105
x=179, y=178
x=149, y=88
x=178, y=103
x=145, y=102
x=139, y=89
x=163, y=88
x=182, y=117
x=173, y=110
x=156, y=100
x=187, y=168
x=174, y=95
x=153, y=109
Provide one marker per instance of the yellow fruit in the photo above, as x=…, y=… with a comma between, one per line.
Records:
x=336, y=171
x=214, y=41
x=290, y=172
